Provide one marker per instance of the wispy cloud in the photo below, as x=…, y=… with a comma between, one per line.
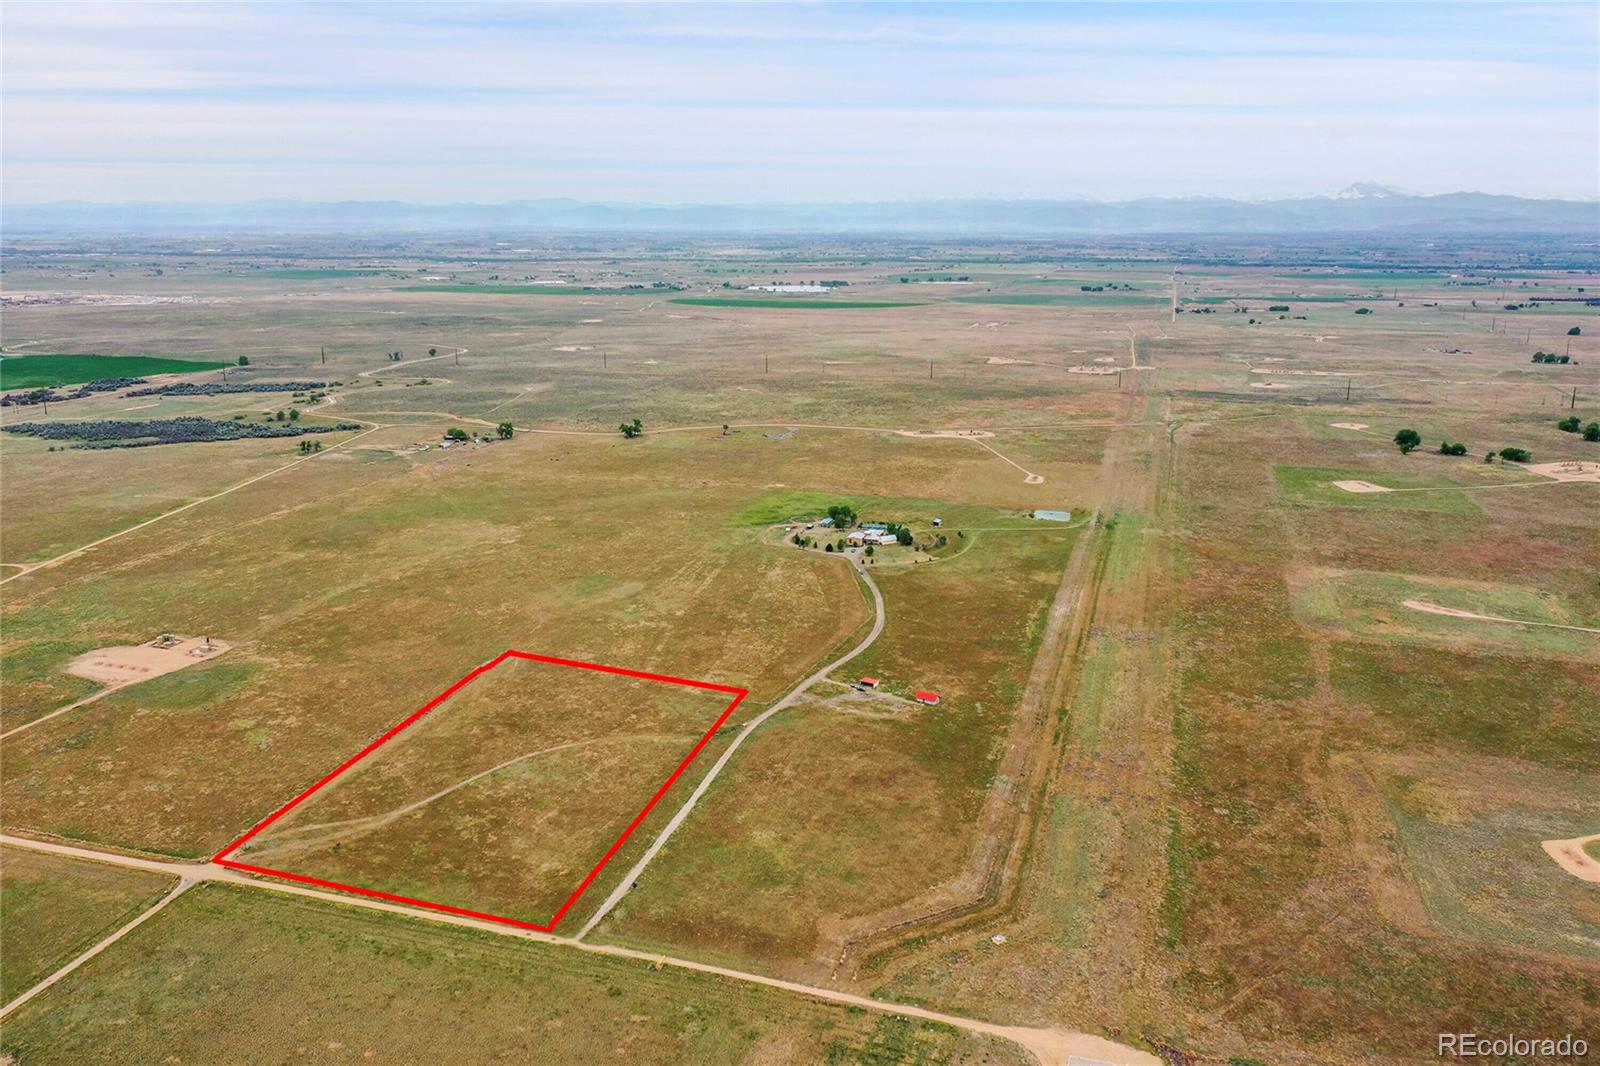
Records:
x=670, y=102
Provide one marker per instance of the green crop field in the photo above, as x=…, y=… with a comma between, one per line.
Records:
x=526, y=290
x=40, y=371
x=315, y=273
x=827, y=303
x=1077, y=299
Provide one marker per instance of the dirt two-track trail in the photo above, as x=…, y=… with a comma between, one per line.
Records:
x=1032, y=760
x=1052, y=1047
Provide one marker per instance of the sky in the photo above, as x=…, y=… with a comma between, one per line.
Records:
x=793, y=102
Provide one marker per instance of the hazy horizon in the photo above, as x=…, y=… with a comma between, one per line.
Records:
x=799, y=104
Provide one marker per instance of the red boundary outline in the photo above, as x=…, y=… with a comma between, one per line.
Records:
x=739, y=694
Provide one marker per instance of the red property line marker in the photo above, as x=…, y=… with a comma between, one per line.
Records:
x=221, y=858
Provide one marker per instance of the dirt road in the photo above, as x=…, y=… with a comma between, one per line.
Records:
x=184, y=884
x=75, y=552
x=755, y=723
x=1452, y=612
x=411, y=362
x=1052, y=1047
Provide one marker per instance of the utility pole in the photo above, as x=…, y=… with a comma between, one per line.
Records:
x=458, y=357
x=930, y=369
x=766, y=364
x=603, y=363
x=1347, y=383
x=324, y=356
x=1572, y=405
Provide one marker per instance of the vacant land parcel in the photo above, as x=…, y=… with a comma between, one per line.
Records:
x=504, y=797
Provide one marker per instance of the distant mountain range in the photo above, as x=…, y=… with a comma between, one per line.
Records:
x=1363, y=207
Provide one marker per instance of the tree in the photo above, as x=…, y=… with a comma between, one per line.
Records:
x=844, y=516
x=632, y=429
x=294, y=414
x=278, y=416
x=457, y=433
x=505, y=430
x=1575, y=331
x=1516, y=455
x=1446, y=448
x=841, y=545
x=432, y=352
x=1570, y=425
x=869, y=551
x=828, y=548
x=1406, y=440
x=1591, y=432
x=244, y=360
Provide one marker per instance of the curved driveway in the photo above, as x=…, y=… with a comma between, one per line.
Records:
x=750, y=727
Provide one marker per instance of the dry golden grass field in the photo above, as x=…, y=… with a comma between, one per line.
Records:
x=1199, y=780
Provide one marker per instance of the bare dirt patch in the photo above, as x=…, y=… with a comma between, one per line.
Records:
x=1434, y=608
x=1572, y=856
x=1268, y=385
x=1305, y=373
x=1349, y=425
x=1361, y=486
x=1567, y=470
x=955, y=433
x=117, y=666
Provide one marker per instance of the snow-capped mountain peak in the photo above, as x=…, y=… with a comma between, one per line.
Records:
x=1364, y=190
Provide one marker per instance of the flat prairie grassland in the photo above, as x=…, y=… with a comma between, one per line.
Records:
x=842, y=807
x=1464, y=826
x=793, y=303
x=1292, y=820
x=387, y=580
x=131, y=484
x=1373, y=604
x=1423, y=491
x=502, y=798
x=227, y=972
x=56, y=907
x=1279, y=847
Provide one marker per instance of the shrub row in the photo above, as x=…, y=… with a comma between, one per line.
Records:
x=88, y=388
x=219, y=388
x=123, y=433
